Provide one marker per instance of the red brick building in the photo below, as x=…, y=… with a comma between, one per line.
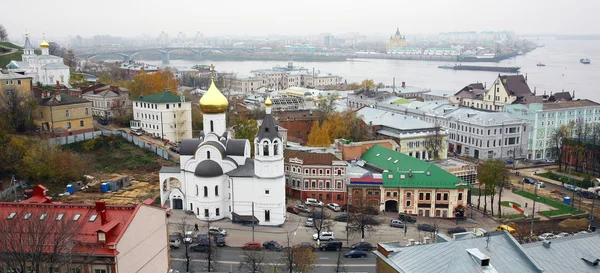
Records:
x=298, y=123
x=315, y=175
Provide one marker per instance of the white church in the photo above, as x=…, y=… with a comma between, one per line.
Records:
x=45, y=69
x=218, y=178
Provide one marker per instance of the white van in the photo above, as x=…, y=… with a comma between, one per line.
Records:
x=313, y=202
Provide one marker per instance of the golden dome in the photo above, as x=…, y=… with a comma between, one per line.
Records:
x=44, y=44
x=268, y=102
x=213, y=102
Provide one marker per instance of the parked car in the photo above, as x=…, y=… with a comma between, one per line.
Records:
x=220, y=240
x=362, y=246
x=292, y=209
x=313, y=202
x=540, y=184
x=272, y=245
x=331, y=245
x=355, y=254
x=200, y=247
x=103, y=121
x=396, y=224
x=325, y=235
x=456, y=230
x=309, y=222
x=349, y=208
x=587, y=194
x=135, y=132
x=426, y=227
x=341, y=218
x=306, y=245
x=174, y=241
x=334, y=207
x=302, y=208
x=251, y=246
x=217, y=231
x=189, y=237
x=571, y=188
x=407, y=218
x=562, y=234
x=546, y=236
x=174, y=149
x=318, y=215
x=581, y=232
x=528, y=180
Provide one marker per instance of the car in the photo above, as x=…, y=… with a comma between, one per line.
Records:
x=397, y=224
x=456, y=230
x=220, y=240
x=366, y=246
x=587, y=194
x=528, y=180
x=371, y=211
x=546, y=236
x=103, y=121
x=200, y=247
x=549, y=160
x=334, y=207
x=325, y=235
x=174, y=149
x=313, y=202
x=581, y=232
x=562, y=234
x=306, y=245
x=302, y=208
x=426, y=227
x=540, y=184
x=571, y=188
x=317, y=215
x=309, y=222
x=355, y=254
x=135, y=132
x=272, y=245
x=349, y=208
x=507, y=228
x=341, y=218
x=252, y=246
x=189, y=237
x=217, y=231
x=292, y=209
x=174, y=241
x=407, y=218
x=331, y=245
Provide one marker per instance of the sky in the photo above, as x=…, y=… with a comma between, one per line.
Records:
x=132, y=18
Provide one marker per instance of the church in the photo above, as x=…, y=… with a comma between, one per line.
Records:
x=217, y=177
x=396, y=41
x=45, y=69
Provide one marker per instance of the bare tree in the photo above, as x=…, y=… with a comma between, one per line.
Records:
x=56, y=50
x=556, y=140
x=3, y=34
x=434, y=142
x=252, y=261
x=361, y=220
x=17, y=109
x=340, y=266
x=39, y=240
x=324, y=223
x=214, y=253
x=184, y=228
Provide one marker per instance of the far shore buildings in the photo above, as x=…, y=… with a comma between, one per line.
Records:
x=164, y=115
x=45, y=69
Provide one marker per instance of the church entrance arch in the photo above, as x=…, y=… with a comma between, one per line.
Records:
x=177, y=203
x=391, y=206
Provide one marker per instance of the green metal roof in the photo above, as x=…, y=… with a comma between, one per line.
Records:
x=162, y=97
x=402, y=101
x=408, y=172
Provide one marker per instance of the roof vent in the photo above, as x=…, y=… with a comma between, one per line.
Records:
x=591, y=260
x=409, y=172
x=482, y=259
x=546, y=243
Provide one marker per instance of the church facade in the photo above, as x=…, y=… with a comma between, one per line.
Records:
x=396, y=41
x=217, y=177
x=45, y=69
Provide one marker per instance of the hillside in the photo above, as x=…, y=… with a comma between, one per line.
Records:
x=9, y=52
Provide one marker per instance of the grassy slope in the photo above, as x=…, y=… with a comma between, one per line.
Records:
x=10, y=45
x=15, y=56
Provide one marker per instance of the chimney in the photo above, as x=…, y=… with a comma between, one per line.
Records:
x=573, y=94
x=403, y=84
x=57, y=85
x=546, y=243
x=525, y=77
x=101, y=209
x=484, y=260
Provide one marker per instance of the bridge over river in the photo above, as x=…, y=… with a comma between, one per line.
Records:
x=129, y=54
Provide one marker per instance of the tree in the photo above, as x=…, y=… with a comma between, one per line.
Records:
x=213, y=254
x=40, y=243
x=326, y=104
x=41, y=158
x=324, y=223
x=184, y=228
x=246, y=129
x=319, y=135
x=304, y=260
x=556, y=140
x=434, y=143
x=252, y=261
x=3, y=34
x=494, y=174
x=367, y=85
x=78, y=80
x=56, y=50
x=69, y=59
x=360, y=221
x=340, y=266
x=145, y=84
x=197, y=118
x=17, y=109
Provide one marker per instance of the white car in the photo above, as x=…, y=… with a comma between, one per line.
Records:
x=334, y=207
x=309, y=222
x=217, y=231
x=562, y=234
x=189, y=237
x=313, y=202
x=327, y=235
x=546, y=236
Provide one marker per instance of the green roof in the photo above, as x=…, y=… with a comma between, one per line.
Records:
x=162, y=97
x=402, y=101
x=405, y=171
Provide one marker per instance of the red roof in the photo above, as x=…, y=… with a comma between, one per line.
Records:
x=39, y=196
x=310, y=158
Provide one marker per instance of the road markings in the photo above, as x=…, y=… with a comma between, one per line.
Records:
x=324, y=258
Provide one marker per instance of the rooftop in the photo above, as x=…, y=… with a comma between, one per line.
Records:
x=12, y=76
x=568, y=104
x=567, y=254
x=310, y=158
x=372, y=116
x=162, y=97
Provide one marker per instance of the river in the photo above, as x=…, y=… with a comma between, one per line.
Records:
x=561, y=57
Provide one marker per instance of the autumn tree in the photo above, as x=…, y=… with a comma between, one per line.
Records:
x=348, y=125
x=69, y=59
x=16, y=108
x=434, y=143
x=56, y=50
x=246, y=129
x=319, y=135
x=556, y=140
x=197, y=119
x=78, y=80
x=41, y=158
x=145, y=84
x=326, y=104
x=13, y=148
x=367, y=85
x=3, y=34
x=494, y=175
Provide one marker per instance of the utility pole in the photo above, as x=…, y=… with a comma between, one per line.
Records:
x=252, y=221
x=535, y=187
x=593, y=203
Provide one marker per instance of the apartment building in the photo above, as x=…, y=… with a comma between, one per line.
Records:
x=164, y=115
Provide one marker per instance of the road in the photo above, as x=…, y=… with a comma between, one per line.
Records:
x=230, y=260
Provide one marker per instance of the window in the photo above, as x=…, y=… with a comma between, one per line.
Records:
x=275, y=147
x=305, y=184
x=168, y=108
x=438, y=196
x=265, y=148
x=68, y=125
x=421, y=196
x=369, y=193
x=388, y=194
x=327, y=185
x=314, y=184
x=87, y=112
x=212, y=126
x=67, y=113
x=395, y=194
x=197, y=190
x=267, y=192
x=408, y=194
x=445, y=197
x=60, y=216
x=205, y=191
x=321, y=172
x=427, y=196
x=205, y=210
x=267, y=215
x=81, y=123
x=339, y=172
x=93, y=218
x=207, y=154
x=76, y=217
x=408, y=203
x=460, y=196
x=216, y=190
x=328, y=172
x=339, y=185
x=217, y=212
x=11, y=215
x=99, y=270
x=43, y=216
x=314, y=171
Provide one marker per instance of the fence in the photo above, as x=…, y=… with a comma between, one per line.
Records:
x=135, y=140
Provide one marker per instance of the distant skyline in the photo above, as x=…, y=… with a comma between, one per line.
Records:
x=134, y=18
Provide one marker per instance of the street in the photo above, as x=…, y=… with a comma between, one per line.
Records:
x=230, y=260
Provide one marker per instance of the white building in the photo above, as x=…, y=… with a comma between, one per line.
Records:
x=164, y=115
x=281, y=78
x=218, y=178
x=45, y=69
x=108, y=101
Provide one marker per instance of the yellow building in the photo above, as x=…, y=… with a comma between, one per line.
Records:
x=62, y=114
x=14, y=82
x=506, y=90
x=396, y=41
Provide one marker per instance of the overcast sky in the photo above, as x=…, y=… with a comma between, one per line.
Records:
x=128, y=18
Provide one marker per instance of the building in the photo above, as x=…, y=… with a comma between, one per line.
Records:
x=498, y=252
x=416, y=138
x=405, y=51
x=14, y=83
x=396, y=41
x=108, y=101
x=407, y=185
x=218, y=178
x=45, y=69
x=506, y=90
x=62, y=114
x=315, y=175
x=164, y=115
x=298, y=123
x=354, y=150
x=441, y=51
x=95, y=238
x=281, y=78
x=567, y=254
x=545, y=118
